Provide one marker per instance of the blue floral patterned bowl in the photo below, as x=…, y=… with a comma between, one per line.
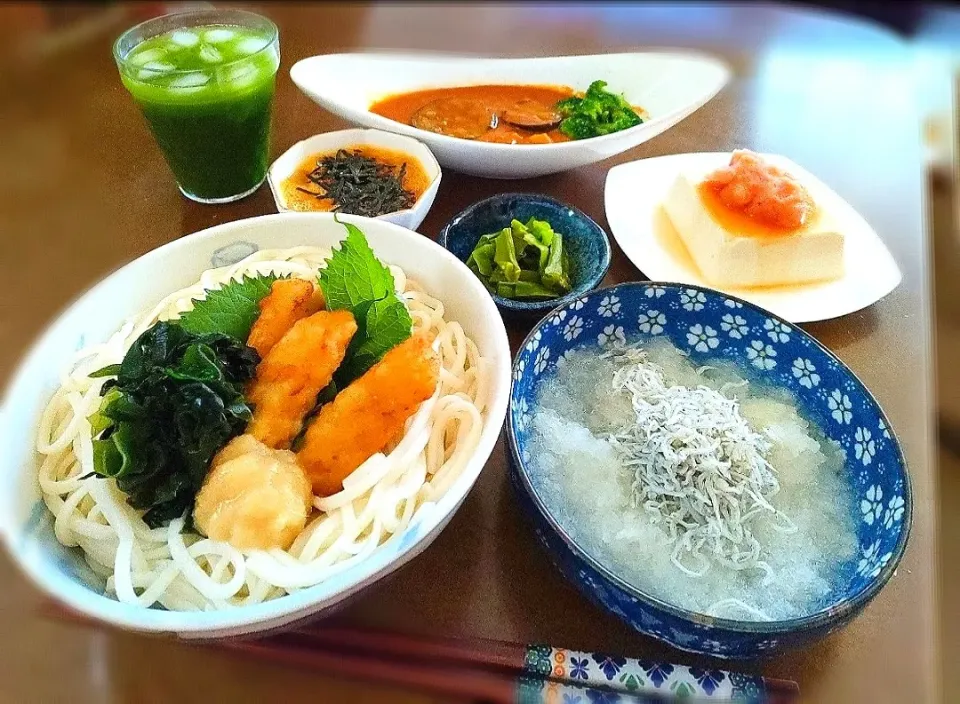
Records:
x=587, y=245
x=712, y=326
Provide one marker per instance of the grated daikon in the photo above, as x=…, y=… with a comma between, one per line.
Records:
x=699, y=469
x=755, y=498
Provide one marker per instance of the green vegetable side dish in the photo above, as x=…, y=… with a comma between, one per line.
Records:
x=523, y=261
x=597, y=113
x=178, y=395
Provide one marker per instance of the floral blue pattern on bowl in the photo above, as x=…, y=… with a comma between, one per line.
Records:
x=710, y=326
x=586, y=243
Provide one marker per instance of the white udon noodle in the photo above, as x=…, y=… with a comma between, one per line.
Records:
x=183, y=571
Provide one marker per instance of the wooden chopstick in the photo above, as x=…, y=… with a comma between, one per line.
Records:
x=477, y=669
x=494, y=656
x=487, y=654
x=462, y=683
x=465, y=683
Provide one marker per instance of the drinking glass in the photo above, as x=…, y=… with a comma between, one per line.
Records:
x=204, y=81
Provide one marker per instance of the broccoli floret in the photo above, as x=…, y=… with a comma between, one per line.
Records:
x=597, y=113
x=579, y=127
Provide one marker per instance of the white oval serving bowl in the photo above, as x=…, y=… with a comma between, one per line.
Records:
x=668, y=85
x=27, y=525
x=410, y=218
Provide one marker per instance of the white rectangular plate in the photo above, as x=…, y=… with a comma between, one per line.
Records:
x=634, y=194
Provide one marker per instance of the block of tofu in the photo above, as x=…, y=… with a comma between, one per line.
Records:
x=730, y=252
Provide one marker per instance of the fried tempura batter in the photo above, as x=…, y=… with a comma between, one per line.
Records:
x=289, y=300
x=291, y=375
x=368, y=414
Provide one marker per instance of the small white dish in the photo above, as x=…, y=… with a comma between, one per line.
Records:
x=668, y=85
x=27, y=526
x=410, y=218
x=633, y=197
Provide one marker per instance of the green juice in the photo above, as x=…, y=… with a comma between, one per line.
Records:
x=206, y=93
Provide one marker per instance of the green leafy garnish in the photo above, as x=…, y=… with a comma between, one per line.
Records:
x=354, y=277
x=386, y=325
x=176, y=400
x=355, y=280
x=597, y=113
x=229, y=310
x=522, y=261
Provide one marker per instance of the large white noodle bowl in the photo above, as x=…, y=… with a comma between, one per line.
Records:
x=342, y=567
x=168, y=565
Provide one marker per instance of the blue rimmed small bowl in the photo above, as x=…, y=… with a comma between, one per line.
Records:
x=711, y=326
x=587, y=244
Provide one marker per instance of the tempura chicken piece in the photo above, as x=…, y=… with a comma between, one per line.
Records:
x=294, y=371
x=253, y=497
x=289, y=300
x=368, y=414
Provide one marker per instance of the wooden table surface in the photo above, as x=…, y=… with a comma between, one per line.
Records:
x=85, y=190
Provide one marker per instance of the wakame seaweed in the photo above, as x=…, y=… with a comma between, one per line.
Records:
x=176, y=400
x=359, y=184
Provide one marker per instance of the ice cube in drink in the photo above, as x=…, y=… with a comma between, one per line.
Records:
x=190, y=82
x=184, y=38
x=209, y=54
x=248, y=45
x=148, y=56
x=218, y=35
x=152, y=69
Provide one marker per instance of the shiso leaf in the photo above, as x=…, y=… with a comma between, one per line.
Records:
x=231, y=309
x=355, y=280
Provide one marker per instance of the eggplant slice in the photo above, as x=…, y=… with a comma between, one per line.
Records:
x=531, y=115
x=455, y=117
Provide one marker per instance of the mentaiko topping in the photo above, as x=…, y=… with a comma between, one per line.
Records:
x=761, y=191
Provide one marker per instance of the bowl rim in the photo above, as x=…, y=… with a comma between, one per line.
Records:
x=301, y=603
x=724, y=71
x=343, y=136
x=590, y=284
x=835, y=613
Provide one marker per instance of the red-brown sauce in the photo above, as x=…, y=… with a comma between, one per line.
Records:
x=466, y=112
